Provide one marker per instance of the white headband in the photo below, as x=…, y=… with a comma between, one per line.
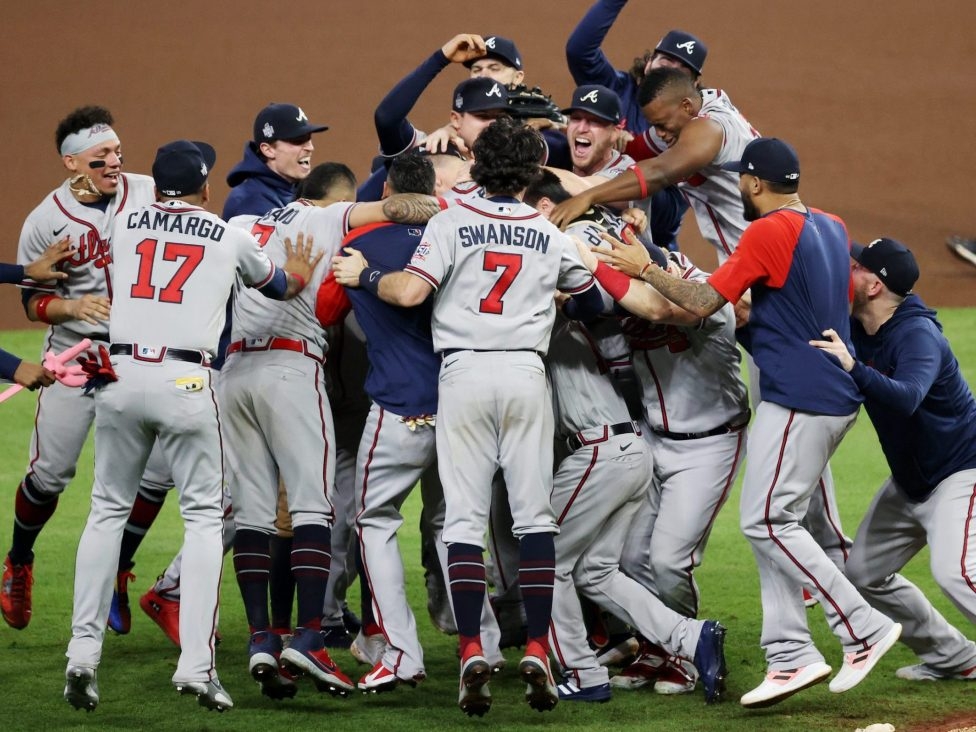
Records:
x=81, y=140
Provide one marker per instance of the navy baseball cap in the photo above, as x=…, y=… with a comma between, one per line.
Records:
x=596, y=100
x=685, y=48
x=283, y=122
x=480, y=95
x=891, y=261
x=181, y=167
x=768, y=158
x=501, y=48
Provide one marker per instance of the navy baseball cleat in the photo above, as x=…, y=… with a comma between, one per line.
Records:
x=119, y=613
x=336, y=636
x=306, y=655
x=710, y=660
x=569, y=691
x=81, y=687
x=264, y=652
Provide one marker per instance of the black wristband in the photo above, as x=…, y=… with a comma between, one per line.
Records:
x=369, y=279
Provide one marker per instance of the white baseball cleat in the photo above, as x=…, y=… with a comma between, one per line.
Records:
x=209, y=694
x=784, y=683
x=858, y=664
x=368, y=649
x=81, y=687
x=925, y=672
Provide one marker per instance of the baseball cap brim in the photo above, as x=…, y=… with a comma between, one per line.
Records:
x=207, y=152
x=857, y=251
x=596, y=114
x=734, y=166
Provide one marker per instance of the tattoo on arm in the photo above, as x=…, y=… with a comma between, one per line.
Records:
x=410, y=208
x=699, y=298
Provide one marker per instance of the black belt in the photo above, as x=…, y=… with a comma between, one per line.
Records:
x=733, y=426
x=176, y=354
x=451, y=351
x=575, y=442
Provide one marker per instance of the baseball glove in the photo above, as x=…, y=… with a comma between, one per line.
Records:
x=525, y=103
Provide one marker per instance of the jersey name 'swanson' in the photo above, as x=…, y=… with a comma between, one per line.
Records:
x=506, y=234
x=180, y=224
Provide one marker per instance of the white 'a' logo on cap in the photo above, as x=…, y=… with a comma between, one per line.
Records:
x=688, y=46
x=268, y=130
x=590, y=97
x=883, y=271
x=301, y=116
x=203, y=168
x=490, y=42
x=494, y=91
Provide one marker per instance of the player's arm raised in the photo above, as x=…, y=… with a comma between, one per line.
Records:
x=400, y=208
x=699, y=143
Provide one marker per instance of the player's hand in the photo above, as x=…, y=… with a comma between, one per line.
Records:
x=347, y=269
x=464, y=47
x=743, y=309
x=45, y=266
x=635, y=217
x=543, y=123
x=629, y=256
x=589, y=258
x=32, y=375
x=438, y=140
x=835, y=347
x=300, y=260
x=571, y=209
x=89, y=308
x=621, y=140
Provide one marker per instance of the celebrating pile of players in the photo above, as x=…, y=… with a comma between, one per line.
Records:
x=499, y=314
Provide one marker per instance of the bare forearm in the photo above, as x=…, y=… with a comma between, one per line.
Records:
x=410, y=208
x=699, y=298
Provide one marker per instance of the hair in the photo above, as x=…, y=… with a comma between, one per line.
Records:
x=411, y=173
x=637, y=68
x=322, y=179
x=548, y=186
x=80, y=119
x=661, y=80
x=782, y=188
x=508, y=157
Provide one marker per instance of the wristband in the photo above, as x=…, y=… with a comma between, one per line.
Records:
x=369, y=279
x=641, y=180
x=40, y=308
x=301, y=280
x=647, y=266
x=616, y=283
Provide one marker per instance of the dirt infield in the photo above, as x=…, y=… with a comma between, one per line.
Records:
x=877, y=96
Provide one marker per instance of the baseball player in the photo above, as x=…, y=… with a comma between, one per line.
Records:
x=494, y=264
x=796, y=260
x=173, y=267
x=597, y=490
x=925, y=416
x=589, y=65
x=278, y=156
x=83, y=209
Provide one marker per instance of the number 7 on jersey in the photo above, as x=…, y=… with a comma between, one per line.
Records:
x=510, y=265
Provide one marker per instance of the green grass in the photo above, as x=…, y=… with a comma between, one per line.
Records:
x=135, y=673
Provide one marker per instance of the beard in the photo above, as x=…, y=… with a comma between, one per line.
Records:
x=749, y=210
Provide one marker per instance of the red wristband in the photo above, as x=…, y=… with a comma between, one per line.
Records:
x=40, y=308
x=301, y=280
x=616, y=283
x=647, y=266
x=641, y=180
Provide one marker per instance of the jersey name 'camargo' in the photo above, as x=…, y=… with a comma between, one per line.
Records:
x=507, y=234
x=175, y=223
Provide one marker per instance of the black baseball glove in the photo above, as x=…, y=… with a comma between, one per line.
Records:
x=525, y=103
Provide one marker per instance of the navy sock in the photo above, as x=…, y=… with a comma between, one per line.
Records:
x=466, y=576
x=537, y=572
x=281, y=584
x=311, y=560
x=32, y=509
x=252, y=563
x=148, y=504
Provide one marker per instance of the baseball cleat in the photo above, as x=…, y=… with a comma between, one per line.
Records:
x=858, y=664
x=119, y=614
x=710, y=660
x=474, y=697
x=925, y=672
x=15, y=593
x=209, y=694
x=164, y=612
x=676, y=676
x=335, y=636
x=540, y=690
x=81, y=687
x=368, y=649
x=264, y=651
x=307, y=656
x=351, y=621
x=784, y=683
x=645, y=670
x=614, y=655
x=381, y=679
x=808, y=599
x=569, y=691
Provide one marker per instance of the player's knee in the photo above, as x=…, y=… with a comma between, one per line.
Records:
x=860, y=572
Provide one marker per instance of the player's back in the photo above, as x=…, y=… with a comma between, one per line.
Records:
x=496, y=264
x=173, y=267
x=254, y=315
